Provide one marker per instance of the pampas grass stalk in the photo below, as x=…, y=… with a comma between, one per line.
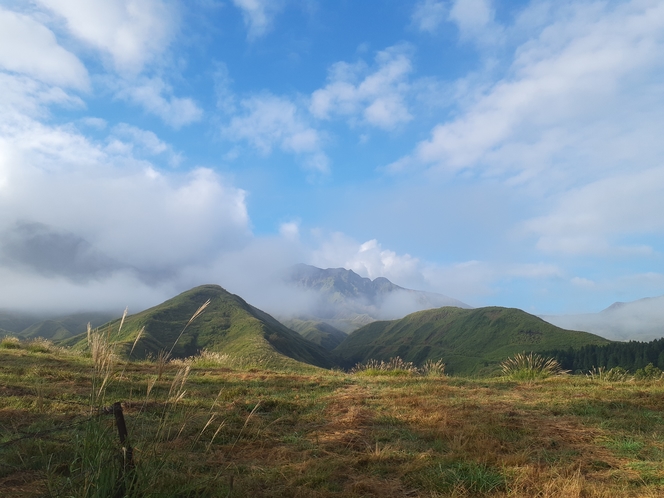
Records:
x=138, y=337
x=193, y=317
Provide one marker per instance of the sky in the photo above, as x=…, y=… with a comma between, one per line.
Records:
x=499, y=152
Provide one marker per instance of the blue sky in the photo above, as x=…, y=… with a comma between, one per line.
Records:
x=503, y=153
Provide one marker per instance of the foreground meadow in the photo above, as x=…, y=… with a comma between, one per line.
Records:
x=234, y=429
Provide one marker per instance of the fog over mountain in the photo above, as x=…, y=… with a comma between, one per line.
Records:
x=347, y=301
x=641, y=320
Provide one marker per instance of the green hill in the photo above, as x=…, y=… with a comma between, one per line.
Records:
x=229, y=325
x=320, y=333
x=63, y=327
x=469, y=341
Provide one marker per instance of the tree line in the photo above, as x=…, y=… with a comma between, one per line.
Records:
x=631, y=356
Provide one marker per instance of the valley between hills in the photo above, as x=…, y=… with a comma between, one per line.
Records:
x=222, y=399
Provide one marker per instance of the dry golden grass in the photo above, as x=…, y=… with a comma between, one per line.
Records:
x=332, y=434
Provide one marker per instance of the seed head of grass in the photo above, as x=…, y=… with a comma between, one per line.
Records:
x=162, y=359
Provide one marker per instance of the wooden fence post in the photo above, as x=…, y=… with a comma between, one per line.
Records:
x=127, y=450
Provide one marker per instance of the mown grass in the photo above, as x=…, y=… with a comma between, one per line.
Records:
x=242, y=429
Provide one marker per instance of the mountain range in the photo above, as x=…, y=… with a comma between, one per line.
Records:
x=468, y=340
x=346, y=301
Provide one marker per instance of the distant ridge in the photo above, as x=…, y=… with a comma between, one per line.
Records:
x=229, y=325
x=468, y=341
x=348, y=301
x=640, y=320
x=54, y=328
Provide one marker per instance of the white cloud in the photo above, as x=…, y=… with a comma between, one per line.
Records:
x=258, y=15
x=471, y=16
x=376, y=95
x=147, y=139
x=153, y=94
x=222, y=88
x=22, y=96
x=270, y=121
x=429, y=14
x=132, y=32
x=94, y=122
x=571, y=79
x=30, y=48
x=124, y=206
x=573, y=123
x=144, y=141
x=367, y=259
x=594, y=218
x=290, y=230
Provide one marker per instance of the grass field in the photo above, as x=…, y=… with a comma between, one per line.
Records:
x=222, y=426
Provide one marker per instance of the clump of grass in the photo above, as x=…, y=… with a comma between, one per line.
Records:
x=433, y=368
x=207, y=358
x=463, y=478
x=40, y=345
x=530, y=367
x=395, y=366
x=615, y=374
x=10, y=342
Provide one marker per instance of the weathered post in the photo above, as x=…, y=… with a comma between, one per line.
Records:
x=127, y=450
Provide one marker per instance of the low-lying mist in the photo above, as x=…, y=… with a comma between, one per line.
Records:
x=641, y=320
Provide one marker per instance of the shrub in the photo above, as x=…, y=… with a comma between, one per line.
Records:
x=649, y=372
x=530, y=366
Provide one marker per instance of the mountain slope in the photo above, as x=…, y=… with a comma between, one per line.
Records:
x=320, y=333
x=228, y=324
x=641, y=320
x=57, y=329
x=347, y=301
x=468, y=341
x=15, y=322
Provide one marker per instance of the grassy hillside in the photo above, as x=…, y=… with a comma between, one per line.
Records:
x=229, y=325
x=320, y=333
x=468, y=341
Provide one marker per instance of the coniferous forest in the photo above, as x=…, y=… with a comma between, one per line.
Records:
x=631, y=356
